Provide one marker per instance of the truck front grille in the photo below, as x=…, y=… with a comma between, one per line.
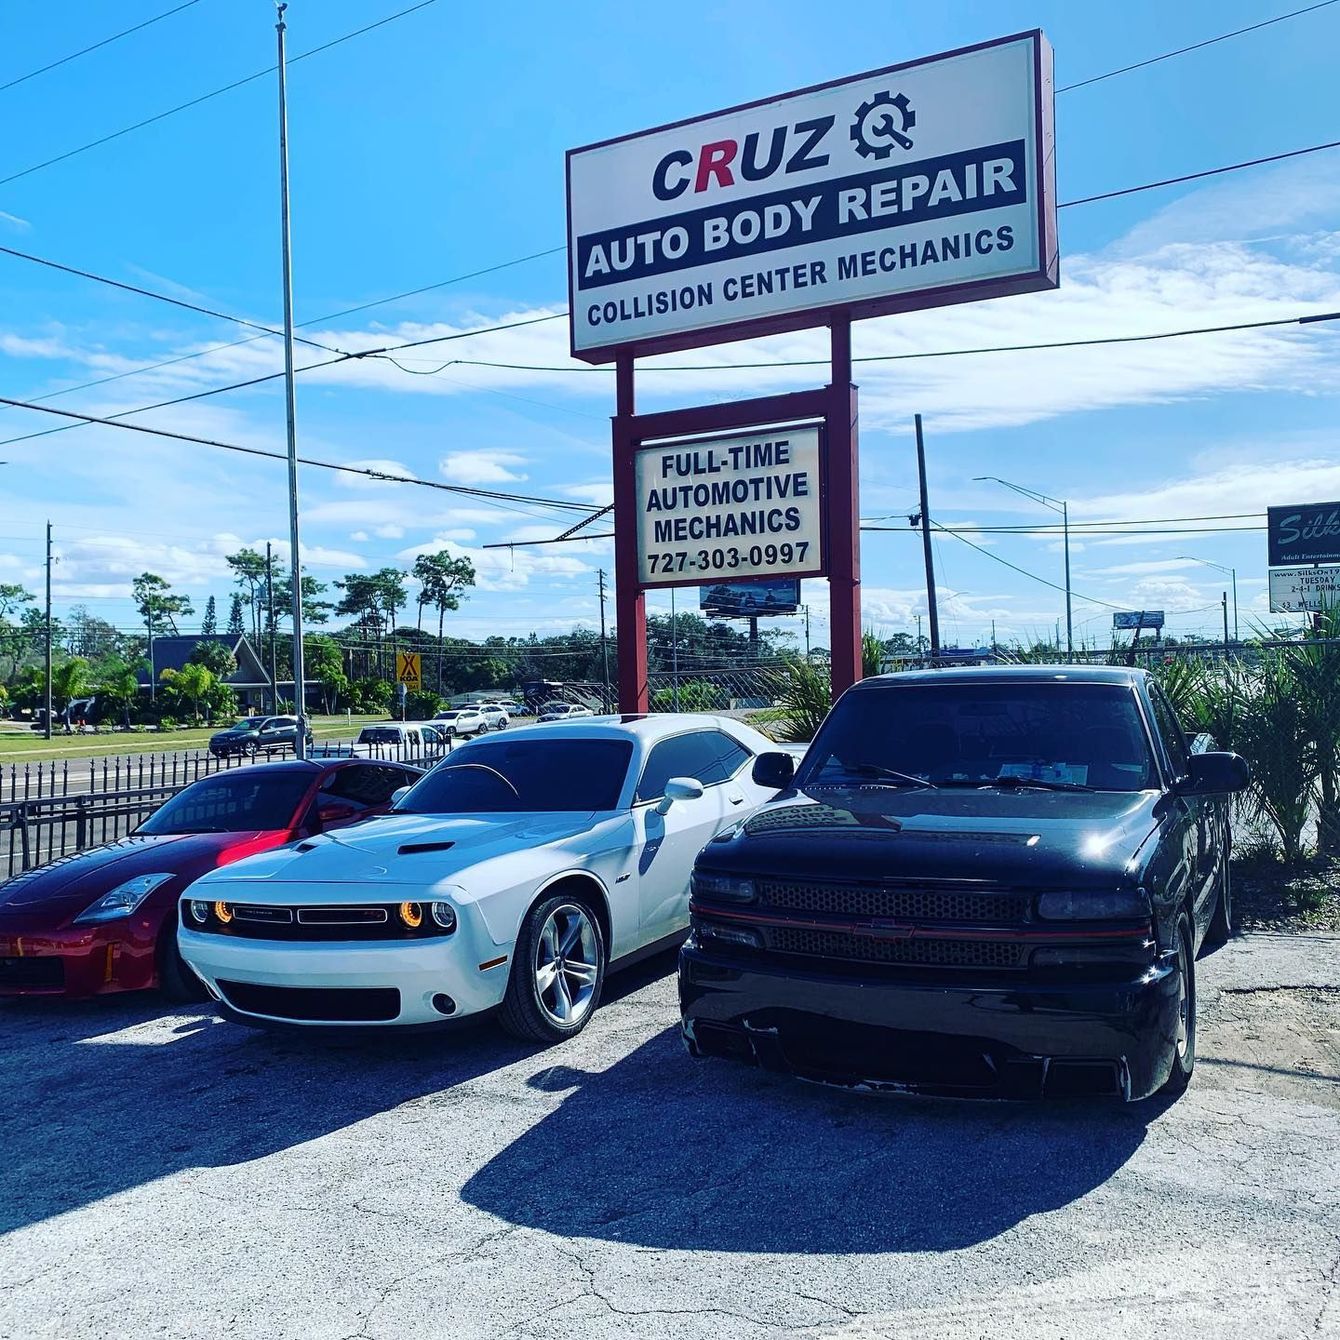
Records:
x=928, y=952
x=917, y=904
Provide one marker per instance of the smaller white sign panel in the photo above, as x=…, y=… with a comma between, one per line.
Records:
x=1304, y=590
x=746, y=505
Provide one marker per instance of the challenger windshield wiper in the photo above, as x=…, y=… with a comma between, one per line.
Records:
x=868, y=772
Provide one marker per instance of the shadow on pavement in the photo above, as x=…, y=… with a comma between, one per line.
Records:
x=666, y=1152
x=104, y=1095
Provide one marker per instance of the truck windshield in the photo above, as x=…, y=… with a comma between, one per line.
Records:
x=1055, y=735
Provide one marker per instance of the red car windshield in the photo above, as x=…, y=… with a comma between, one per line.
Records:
x=250, y=800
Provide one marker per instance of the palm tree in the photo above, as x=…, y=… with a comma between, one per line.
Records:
x=121, y=685
x=69, y=681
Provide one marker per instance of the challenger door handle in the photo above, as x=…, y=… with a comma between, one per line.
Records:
x=736, y=800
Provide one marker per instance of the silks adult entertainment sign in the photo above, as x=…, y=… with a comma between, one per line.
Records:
x=1306, y=534
x=914, y=186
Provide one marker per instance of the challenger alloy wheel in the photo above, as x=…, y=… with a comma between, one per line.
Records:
x=558, y=969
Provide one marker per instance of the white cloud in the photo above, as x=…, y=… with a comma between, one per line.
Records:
x=475, y=468
x=390, y=531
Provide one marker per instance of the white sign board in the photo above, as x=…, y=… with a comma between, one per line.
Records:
x=740, y=506
x=913, y=186
x=1301, y=590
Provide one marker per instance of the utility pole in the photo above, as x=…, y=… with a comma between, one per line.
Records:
x=674, y=651
x=47, y=732
x=925, y=520
x=270, y=606
x=291, y=408
x=807, y=632
x=1224, y=602
x=1069, y=617
x=604, y=646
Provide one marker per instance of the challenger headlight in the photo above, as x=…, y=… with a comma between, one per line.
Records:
x=411, y=915
x=723, y=888
x=1117, y=906
x=444, y=915
x=223, y=912
x=198, y=910
x=122, y=900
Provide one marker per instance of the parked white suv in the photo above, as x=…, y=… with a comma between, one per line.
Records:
x=495, y=716
x=460, y=721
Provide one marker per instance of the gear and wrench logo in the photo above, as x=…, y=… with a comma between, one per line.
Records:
x=882, y=124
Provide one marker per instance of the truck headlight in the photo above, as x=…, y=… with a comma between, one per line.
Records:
x=724, y=888
x=1121, y=905
x=122, y=900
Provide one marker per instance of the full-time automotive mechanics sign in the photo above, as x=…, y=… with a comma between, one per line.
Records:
x=914, y=186
x=741, y=506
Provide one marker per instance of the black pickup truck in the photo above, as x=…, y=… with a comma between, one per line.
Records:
x=978, y=882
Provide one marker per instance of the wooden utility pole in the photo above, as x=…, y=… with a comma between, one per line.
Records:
x=604, y=646
x=926, y=543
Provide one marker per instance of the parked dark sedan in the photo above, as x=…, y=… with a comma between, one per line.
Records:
x=105, y=919
x=989, y=881
x=257, y=735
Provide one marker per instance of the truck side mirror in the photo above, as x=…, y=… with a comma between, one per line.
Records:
x=1215, y=773
x=774, y=770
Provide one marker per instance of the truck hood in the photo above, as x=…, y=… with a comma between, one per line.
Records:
x=413, y=849
x=1041, y=839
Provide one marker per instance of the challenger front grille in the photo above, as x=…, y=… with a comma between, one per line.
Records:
x=948, y=953
x=917, y=904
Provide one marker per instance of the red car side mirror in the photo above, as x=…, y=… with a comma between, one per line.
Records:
x=335, y=812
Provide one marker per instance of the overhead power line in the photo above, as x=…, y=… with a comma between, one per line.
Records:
x=214, y=93
x=106, y=41
x=1195, y=46
x=159, y=297
x=488, y=494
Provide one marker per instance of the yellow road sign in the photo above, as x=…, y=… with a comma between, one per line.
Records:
x=408, y=669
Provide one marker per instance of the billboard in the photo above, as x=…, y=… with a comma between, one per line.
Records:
x=917, y=185
x=1308, y=534
x=744, y=505
x=1138, y=619
x=1304, y=590
x=758, y=599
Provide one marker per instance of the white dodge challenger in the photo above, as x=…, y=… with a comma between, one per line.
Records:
x=513, y=876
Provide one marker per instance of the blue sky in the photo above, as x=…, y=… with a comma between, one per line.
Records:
x=433, y=147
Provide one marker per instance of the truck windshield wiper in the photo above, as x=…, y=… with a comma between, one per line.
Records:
x=1040, y=783
x=867, y=772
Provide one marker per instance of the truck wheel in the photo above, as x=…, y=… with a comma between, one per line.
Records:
x=1184, y=1039
x=558, y=969
x=1221, y=920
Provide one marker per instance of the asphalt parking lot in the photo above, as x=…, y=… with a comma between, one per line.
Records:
x=172, y=1175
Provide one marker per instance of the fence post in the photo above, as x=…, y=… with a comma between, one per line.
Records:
x=21, y=815
x=80, y=822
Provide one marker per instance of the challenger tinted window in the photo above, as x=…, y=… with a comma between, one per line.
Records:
x=1060, y=733
x=524, y=776
x=708, y=756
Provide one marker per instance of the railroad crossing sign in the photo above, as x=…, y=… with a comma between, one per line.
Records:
x=408, y=669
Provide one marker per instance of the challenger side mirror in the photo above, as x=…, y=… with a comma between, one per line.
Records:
x=1216, y=773
x=399, y=794
x=679, y=788
x=774, y=770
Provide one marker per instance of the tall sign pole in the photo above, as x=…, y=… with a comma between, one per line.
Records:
x=47, y=731
x=842, y=508
x=290, y=405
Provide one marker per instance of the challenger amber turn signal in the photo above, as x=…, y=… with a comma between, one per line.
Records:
x=223, y=912
x=411, y=915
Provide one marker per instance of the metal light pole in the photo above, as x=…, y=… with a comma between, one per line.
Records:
x=1057, y=505
x=1232, y=573
x=290, y=405
x=47, y=731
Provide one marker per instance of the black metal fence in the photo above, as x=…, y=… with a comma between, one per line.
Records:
x=58, y=807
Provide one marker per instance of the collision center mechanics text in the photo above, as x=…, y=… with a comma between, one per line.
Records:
x=840, y=210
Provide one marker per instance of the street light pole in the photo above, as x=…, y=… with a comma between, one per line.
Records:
x=1057, y=505
x=1231, y=573
x=290, y=406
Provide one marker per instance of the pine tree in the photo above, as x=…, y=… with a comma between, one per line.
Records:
x=235, y=625
x=209, y=625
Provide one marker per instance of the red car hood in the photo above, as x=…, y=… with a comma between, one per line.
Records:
x=67, y=885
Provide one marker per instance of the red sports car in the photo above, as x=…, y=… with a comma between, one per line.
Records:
x=105, y=919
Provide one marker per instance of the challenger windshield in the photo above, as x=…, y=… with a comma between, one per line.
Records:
x=523, y=776
x=1049, y=735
